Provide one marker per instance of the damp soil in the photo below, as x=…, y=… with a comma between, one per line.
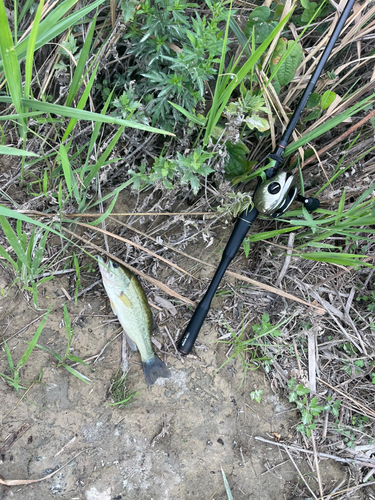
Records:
x=169, y=444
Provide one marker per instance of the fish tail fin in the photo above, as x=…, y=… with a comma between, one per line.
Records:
x=153, y=369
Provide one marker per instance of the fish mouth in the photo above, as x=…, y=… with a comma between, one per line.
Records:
x=104, y=267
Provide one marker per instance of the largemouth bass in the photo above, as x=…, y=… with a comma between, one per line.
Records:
x=129, y=303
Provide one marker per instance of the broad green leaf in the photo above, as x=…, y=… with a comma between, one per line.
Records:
x=258, y=24
x=285, y=72
x=314, y=115
x=313, y=100
x=129, y=8
x=255, y=121
x=327, y=99
x=237, y=163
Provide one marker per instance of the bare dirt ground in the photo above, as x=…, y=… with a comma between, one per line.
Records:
x=170, y=444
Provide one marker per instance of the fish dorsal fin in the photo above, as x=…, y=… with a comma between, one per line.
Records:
x=124, y=299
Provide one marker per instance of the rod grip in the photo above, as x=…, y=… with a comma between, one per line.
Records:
x=243, y=224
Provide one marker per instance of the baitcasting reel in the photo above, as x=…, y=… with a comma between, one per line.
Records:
x=275, y=196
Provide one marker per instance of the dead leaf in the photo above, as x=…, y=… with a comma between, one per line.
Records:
x=166, y=304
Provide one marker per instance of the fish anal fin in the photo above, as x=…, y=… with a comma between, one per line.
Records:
x=132, y=344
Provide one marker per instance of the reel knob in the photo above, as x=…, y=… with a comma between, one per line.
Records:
x=274, y=196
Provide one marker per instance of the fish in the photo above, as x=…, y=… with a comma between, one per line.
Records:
x=129, y=304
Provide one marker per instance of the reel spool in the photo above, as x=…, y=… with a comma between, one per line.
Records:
x=275, y=196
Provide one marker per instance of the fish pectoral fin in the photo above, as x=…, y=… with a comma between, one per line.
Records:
x=124, y=299
x=113, y=307
x=132, y=344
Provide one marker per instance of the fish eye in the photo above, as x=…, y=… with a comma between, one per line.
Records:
x=115, y=265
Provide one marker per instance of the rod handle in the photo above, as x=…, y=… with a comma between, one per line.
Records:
x=243, y=224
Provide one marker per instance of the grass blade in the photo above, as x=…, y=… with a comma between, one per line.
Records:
x=95, y=169
x=66, y=167
x=38, y=256
x=9, y=356
x=322, y=129
x=106, y=213
x=81, y=114
x=188, y=115
x=31, y=49
x=77, y=374
x=55, y=23
x=11, y=66
x=83, y=58
x=13, y=240
x=6, y=256
x=226, y=484
x=33, y=342
x=81, y=103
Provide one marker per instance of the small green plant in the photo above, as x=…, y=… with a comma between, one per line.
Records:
x=61, y=360
x=14, y=379
x=247, y=349
x=369, y=298
x=261, y=23
x=309, y=409
x=353, y=368
x=333, y=406
x=256, y=395
x=120, y=395
x=173, y=56
x=318, y=104
x=248, y=107
x=185, y=170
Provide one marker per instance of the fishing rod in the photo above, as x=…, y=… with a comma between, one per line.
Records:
x=271, y=197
